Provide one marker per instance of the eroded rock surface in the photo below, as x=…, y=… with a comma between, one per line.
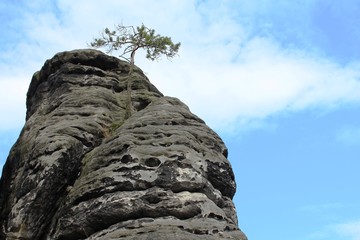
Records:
x=79, y=170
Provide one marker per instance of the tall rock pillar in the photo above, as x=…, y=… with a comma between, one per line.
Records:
x=80, y=170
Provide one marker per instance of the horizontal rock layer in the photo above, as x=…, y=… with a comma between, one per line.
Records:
x=80, y=170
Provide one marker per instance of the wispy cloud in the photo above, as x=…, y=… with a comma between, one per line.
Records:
x=351, y=230
x=227, y=73
x=333, y=226
x=12, y=102
x=263, y=81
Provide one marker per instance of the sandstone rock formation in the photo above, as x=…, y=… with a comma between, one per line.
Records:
x=79, y=170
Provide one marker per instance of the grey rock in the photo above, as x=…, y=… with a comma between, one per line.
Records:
x=79, y=170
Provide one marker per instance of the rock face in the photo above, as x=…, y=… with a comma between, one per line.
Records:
x=79, y=170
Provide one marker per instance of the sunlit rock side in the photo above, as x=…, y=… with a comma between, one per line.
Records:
x=79, y=170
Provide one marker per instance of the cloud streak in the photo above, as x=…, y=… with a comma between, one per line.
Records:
x=349, y=229
x=226, y=73
x=12, y=103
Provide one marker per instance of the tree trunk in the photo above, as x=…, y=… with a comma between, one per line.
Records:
x=129, y=109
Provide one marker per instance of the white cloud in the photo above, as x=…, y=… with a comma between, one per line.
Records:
x=349, y=229
x=223, y=74
x=264, y=80
x=12, y=103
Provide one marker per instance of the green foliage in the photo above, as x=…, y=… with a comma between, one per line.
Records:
x=116, y=125
x=130, y=39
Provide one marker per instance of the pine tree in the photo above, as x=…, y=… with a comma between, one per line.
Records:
x=129, y=40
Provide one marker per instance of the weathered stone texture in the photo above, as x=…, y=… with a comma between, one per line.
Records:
x=79, y=170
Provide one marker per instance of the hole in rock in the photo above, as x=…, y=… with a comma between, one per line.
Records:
x=165, y=144
x=143, y=103
x=153, y=199
x=181, y=157
x=225, y=153
x=152, y=162
x=174, y=123
x=141, y=138
x=126, y=158
x=218, y=217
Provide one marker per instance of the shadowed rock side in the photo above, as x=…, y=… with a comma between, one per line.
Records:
x=79, y=170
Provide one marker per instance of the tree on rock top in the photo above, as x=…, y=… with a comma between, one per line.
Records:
x=129, y=39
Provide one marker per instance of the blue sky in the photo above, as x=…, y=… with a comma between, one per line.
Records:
x=279, y=81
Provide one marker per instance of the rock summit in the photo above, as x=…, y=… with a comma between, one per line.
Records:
x=80, y=170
